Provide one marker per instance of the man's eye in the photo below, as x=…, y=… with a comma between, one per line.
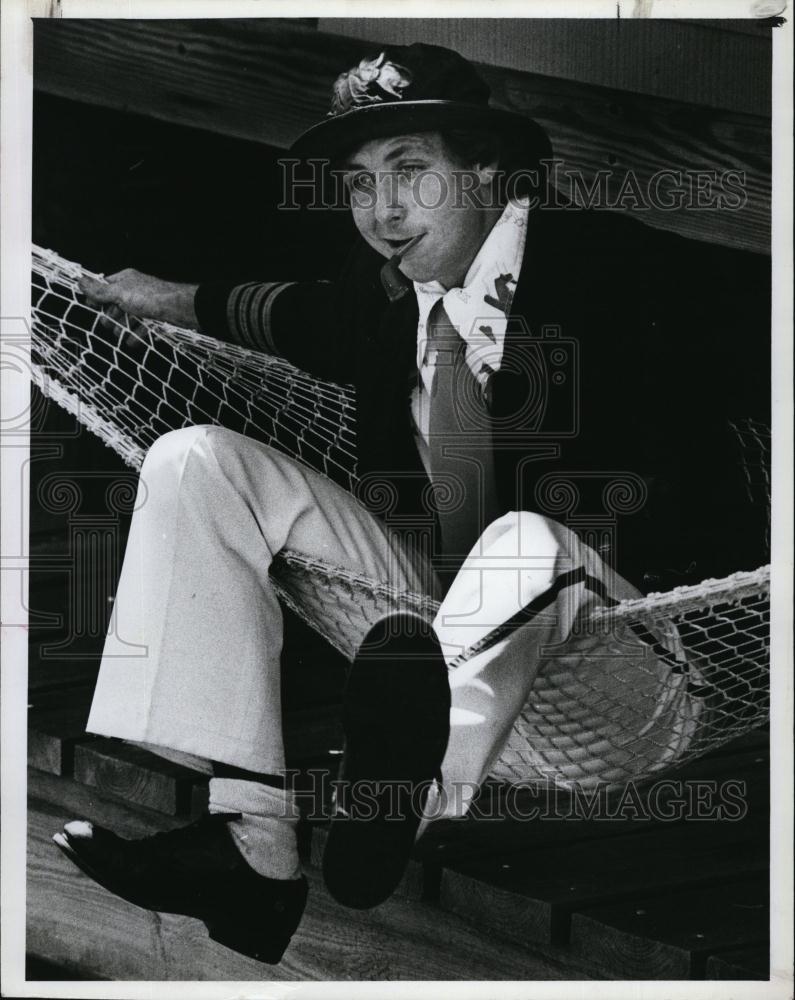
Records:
x=359, y=182
x=410, y=170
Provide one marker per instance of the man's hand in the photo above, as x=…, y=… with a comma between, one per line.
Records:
x=143, y=295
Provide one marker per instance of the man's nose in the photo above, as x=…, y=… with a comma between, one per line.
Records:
x=389, y=206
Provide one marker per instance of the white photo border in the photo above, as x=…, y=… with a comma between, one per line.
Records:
x=15, y=120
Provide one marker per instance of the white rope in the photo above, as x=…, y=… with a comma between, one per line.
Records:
x=598, y=721
x=729, y=589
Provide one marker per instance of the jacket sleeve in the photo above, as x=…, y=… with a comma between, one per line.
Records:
x=316, y=325
x=300, y=321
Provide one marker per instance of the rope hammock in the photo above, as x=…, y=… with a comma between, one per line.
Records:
x=589, y=720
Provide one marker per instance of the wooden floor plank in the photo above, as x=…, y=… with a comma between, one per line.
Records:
x=64, y=797
x=180, y=940
x=672, y=937
x=72, y=919
x=485, y=874
x=40, y=970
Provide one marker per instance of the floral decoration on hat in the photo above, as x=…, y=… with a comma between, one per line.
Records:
x=360, y=85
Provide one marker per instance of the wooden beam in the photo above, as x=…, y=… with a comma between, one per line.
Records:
x=56, y=723
x=127, y=773
x=531, y=897
x=267, y=80
x=634, y=140
x=452, y=843
x=671, y=937
x=719, y=64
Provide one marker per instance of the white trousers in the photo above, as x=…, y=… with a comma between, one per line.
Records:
x=192, y=657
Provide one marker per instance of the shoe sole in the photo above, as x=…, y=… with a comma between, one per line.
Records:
x=396, y=720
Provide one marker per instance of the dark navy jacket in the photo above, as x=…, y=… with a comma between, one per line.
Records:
x=633, y=361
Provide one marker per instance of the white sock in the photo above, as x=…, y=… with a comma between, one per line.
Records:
x=265, y=833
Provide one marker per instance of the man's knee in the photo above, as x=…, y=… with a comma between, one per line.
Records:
x=204, y=443
x=195, y=460
x=524, y=533
x=168, y=453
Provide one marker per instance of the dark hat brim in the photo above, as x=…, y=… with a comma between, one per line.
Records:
x=341, y=134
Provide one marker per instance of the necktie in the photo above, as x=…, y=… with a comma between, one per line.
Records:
x=461, y=461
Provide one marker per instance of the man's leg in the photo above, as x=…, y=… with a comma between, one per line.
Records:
x=192, y=663
x=533, y=581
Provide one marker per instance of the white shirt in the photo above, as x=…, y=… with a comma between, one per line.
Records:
x=479, y=310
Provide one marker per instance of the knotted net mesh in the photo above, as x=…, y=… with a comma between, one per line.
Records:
x=589, y=719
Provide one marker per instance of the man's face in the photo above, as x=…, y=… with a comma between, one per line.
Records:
x=402, y=187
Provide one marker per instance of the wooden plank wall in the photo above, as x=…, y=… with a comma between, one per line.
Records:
x=268, y=79
x=718, y=64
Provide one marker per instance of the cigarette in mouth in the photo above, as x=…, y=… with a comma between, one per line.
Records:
x=405, y=249
x=394, y=283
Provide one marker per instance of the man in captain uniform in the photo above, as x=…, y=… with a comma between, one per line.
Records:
x=465, y=352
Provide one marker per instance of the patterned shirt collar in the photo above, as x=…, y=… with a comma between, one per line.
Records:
x=479, y=310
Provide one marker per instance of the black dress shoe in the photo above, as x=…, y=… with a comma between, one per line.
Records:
x=196, y=871
x=396, y=718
